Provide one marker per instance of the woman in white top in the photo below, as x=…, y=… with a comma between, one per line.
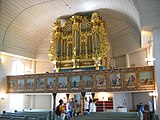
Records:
x=92, y=106
x=86, y=105
x=68, y=108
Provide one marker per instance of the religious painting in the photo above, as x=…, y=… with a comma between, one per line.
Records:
x=12, y=84
x=51, y=83
x=62, y=82
x=115, y=80
x=130, y=79
x=30, y=83
x=146, y=78
x=101, y=81
x=40, y=83
x=21, y=84
x=87, y=81
x=75, y=82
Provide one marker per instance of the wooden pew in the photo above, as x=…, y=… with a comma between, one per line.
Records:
x=13, y=117
x=36, y=114
x=109, y=116
x=5, y=118
x=31, y=115
x=116, y=115
x=19, y=118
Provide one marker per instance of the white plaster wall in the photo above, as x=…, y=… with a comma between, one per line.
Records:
x=138, y=58
x=5, y=104
x=2, y=77
x=43, y=102
x=142, y=97
x=129, y=103
x=27, y=101
x=122, y=99
x=43, y=63
x=38, y=101
x=120, y=61
x=6, y=69
x=156, y=41
x=43, y=67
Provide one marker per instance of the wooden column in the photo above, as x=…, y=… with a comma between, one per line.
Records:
x=83, y=95
x=67, y=95
x=54, y=104
x=93, y=94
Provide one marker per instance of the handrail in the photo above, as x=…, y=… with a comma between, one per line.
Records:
x=109, y=80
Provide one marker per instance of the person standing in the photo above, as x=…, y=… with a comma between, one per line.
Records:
x=72, y=105
x=61, y=110
x=92, y=106
x=68, y=108
x=141, y=110
x=86, y=106
x=90, y=101
x=77, y=109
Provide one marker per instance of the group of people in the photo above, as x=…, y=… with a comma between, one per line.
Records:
x=89, y=106
x=73, y=108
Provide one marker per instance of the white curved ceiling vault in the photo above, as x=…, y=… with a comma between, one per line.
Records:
x=26, y=25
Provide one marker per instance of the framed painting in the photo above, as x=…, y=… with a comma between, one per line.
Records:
x=130, y=79
x=87, y=81
x=146, y=78
x=21, y=84
x=75, y=82
x=12, y=84
x=101, y=81
x=30, y=84
x=51, y=83
x=40, y=83
x=62, y=82
x=115, y=80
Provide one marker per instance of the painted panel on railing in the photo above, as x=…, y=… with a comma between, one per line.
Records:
x=75, y=82
x=123, y=79
x=21, y=85
x=51, y=83
x=146, y=78
x=30, y=84
x=62, y=82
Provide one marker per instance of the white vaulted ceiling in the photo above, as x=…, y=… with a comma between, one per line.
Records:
x=26, y=25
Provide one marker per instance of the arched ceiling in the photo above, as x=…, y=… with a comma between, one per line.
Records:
x=26, y=26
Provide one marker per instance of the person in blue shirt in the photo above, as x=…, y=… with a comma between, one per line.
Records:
x=141, y=110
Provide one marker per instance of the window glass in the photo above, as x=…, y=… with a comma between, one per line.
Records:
x=18, y=68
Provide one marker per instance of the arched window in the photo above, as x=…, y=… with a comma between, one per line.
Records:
x=18, y=68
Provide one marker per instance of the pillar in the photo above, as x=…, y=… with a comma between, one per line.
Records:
x=33, y=67
x=127, y=60
x=156, y=43
x=93, y=94
x=67, y=95
x=83, y=95
x=32, y=102
x=54, y=104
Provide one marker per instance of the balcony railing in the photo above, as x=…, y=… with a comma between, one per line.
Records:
x=110, y=80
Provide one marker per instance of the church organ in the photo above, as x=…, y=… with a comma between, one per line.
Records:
x=80, y=43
